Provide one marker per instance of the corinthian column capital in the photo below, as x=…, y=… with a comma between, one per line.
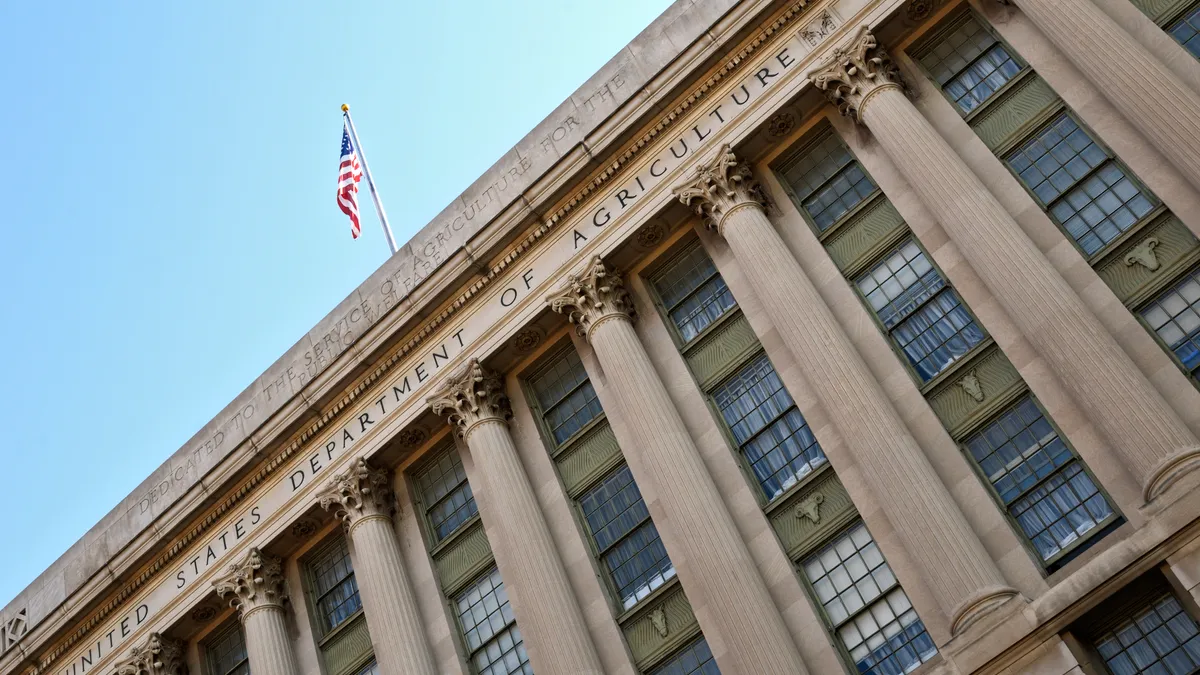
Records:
x=473, y=395
x=856, y=72
x=362, y=491
x=721, y=186
x=592, y=297
x=158, y=655
x=253, y=583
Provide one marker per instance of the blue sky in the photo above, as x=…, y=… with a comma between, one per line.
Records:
x=169, y=223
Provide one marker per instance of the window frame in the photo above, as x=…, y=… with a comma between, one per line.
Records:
x=426, y=464
x=831, y=630
x=323, y=634
x=1075, y=548
x=216, y=635
x=691, y=641
x=940, y=32
x=539, y=367
x=651, y=277
x=452, y=596
x=812, y=140
x=947, y=372
x=1166, y=284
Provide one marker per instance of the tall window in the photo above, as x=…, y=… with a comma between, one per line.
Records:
x=226, y=653
x=1081, y=186
x=565, y=396
x=920, y=311
x=768, y=427
x=1156, y=637
x=866, y=606
x=969, y=64
x=489, y=629
x=334, y=585
x=371, y=668
x=828, y=181
x=695, y=659
x=446, y=493
x=1175, y=317
x=693, y=292
x=1044, y=485
x=625, y=536
x=1187, y=31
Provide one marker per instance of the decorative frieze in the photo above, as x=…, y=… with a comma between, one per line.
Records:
x=856, y=72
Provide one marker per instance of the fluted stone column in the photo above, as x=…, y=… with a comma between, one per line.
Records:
x=551, y=619
x=719, y=574
x=364, y=501
x=255, y=588
x=1164, y=109
x=158, y=655
x=1153, y=441
x=962, y=576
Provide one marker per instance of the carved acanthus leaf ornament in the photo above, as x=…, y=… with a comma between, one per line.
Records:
x=592, y=296
x=472, y=395
x=855, y=72
x=158, y=655
x=361, y=491
x=720, y=186
x=254, y=582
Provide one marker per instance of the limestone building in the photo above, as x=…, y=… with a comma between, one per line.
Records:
x=821, y=336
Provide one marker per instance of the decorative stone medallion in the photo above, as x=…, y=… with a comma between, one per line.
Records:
x=821, y=28
x=412, y=437
x=971, y=385
x=203, y=613
x=781, y=124
x=658, y=619
x=651, y=235
x=1143, y=254
x=527, y=340
x=810, y=507
x=304, y=528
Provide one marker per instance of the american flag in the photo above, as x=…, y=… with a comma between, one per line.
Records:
x=349, y=173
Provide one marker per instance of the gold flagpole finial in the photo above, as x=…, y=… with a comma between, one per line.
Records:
x=345, y=107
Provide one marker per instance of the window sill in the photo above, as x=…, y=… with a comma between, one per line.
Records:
x=954, y=369
x=642, y=605
x=341, y=628
x=782, y=498
x=454, y=536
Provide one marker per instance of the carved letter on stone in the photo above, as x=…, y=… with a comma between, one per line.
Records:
x=362, y=491
x=658, y=619
x=720, y=186
x=592, y=296
x=970, y=384
x=255, y=582
x=159, y=655
x=855, y=72
x=470, y=396
x=810, y=507
x=1143, y=254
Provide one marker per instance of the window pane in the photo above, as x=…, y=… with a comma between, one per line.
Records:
x=970, y=64
x=337, y=591
x=1021, y=451
x=695, y=659
x=446, y=493
x=371, y=668
x=1158, y=637
x=489, y=629
x=694, y=293
x=922, y=315
x=870, y=612
x=1175, y=317
x=1187, y=31
x=227, y=653
x=1086, y=192
x=628, y=542
x=828, y=181
x=768, y=427
x=566, y=396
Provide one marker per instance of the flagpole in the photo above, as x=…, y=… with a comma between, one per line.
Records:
x=362, y=155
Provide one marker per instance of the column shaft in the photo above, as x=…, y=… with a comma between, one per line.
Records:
x=737, y=608
x=551, y=619
x=1118, y=398
x=267, y=643
x=934, y=531
x=1146, y=92
x=397, y=632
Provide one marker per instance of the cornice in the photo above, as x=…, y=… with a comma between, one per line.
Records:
x=610, y=171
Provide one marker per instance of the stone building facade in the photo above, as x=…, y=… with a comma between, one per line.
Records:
x=820, y=336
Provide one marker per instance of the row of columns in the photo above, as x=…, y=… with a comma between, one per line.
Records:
x=719, y=573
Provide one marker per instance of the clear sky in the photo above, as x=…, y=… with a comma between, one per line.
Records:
x=169, y=222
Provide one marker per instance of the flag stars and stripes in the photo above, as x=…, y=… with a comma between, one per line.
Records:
x=349, y=174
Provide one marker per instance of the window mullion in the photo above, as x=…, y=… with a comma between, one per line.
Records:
x=620, y=540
